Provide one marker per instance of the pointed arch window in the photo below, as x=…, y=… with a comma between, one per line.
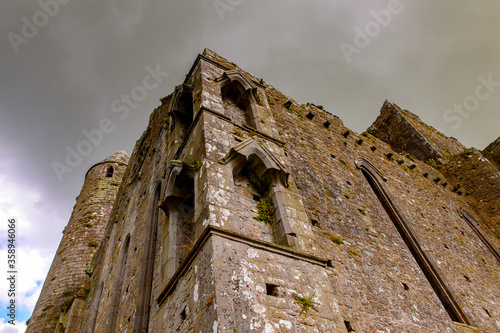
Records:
x=252, y=159
x=240, y=98
x=179, y=204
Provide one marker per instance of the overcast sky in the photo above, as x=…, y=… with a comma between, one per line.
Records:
x=65, y=68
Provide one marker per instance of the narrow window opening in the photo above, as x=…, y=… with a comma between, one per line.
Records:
x=426, y=266
x=401, y=161
x=348, y=326
x=406, y=286
x=373, y=148
x=333, y=156
x=359, y=142
x=446, y=246
x=272, y=290
x=326, y=124
x=413, y=166
x=183, y=314
x=487, y=312
x=426, y=175
x=467, y=278
x=346, y=134
x=310, y=115
x=315, y=223
x=389, y=156
x=109, y=172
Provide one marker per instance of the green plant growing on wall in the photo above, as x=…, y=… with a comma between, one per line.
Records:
x=93, y=244
x=269, y=100
x=362, y=210
x=353, y=252
x=238, y=132
x=306, y=303
x=335, y=239
x=266, y=210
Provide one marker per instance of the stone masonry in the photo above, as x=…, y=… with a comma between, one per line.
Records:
x=81, y=238
x=242, y=210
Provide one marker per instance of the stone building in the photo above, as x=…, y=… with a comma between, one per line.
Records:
x=241, y=210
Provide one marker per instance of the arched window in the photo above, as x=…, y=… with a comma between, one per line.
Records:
x=147, y=267
x=375, y=179
x=109, y=171
x=252, y=163
x=181, y=111
x=179, y=204
x=117, y=286
x=240, y=97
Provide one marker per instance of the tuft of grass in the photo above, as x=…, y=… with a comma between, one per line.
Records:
x=298, y=186
x=335, y=239
x=353, y=252
x=93, y=244
x=210, y=300
x=306, y=303
x=269, y=100
x=53, y=278
x=362, y=210
x=266, y=210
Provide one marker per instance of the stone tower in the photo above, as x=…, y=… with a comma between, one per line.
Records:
x=82, y=236
x=243, y=210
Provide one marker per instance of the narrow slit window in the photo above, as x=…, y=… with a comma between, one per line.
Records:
x=109, y=172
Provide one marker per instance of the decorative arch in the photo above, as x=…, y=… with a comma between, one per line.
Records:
x=241, y=154
x=179, y=205
x=376, y=181
x=253, y=157
x=236, y=87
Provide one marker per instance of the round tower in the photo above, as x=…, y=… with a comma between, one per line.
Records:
x=80, y=240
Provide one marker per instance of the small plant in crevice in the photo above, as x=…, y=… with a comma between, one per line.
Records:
x=335, y=239
x=269, y=100
x=210, y=300
x=306, y=303
x=196, y=164
x=362, y=210
x=237, y=132
x=266, y=210
x=298, y=186
x=353, y=252
x=93, y=244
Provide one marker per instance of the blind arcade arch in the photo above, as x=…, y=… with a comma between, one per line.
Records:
x=376, y=181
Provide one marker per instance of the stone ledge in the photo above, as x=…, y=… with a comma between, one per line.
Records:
x=258, y=244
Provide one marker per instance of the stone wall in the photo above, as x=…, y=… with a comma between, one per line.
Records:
x=330, y=253
x=492, y=152
x=406, y=133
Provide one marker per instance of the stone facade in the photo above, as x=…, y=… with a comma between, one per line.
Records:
x=242, y=210
x=81, y=238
